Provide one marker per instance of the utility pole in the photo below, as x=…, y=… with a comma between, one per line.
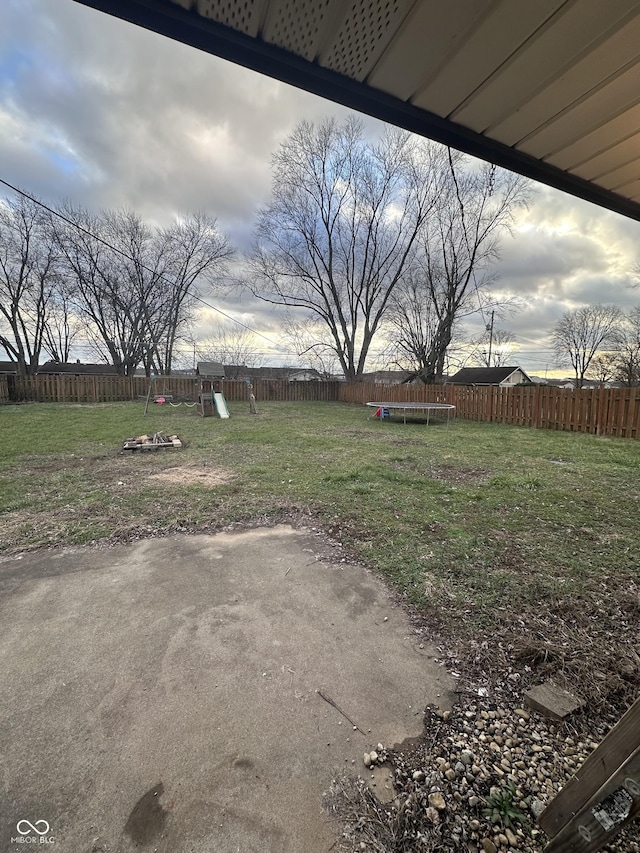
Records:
x=489, y=328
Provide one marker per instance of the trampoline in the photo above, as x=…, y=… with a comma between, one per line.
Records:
x=428, y=408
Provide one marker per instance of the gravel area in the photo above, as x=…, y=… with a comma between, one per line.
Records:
x=475, y=782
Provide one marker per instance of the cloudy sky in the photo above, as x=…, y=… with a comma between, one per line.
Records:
x=108, y=115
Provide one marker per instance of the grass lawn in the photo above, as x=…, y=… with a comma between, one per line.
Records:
x=521, y=546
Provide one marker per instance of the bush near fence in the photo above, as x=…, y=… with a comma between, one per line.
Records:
x=602, y=411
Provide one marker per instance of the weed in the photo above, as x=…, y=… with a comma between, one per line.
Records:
x=503, y=807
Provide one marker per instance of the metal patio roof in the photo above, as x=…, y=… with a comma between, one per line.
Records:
x=548, y=88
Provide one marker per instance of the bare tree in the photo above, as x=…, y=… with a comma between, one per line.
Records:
x=604, y=366
x=501, y=350
x=413, y=321
x=28, y=278
x=232, y=345
x=195, y=254
x=134, y=287
x=454, y=268
x=104, y=291
x=341, y=228
x=579, y=334
x=627, y=354
x=61, y=327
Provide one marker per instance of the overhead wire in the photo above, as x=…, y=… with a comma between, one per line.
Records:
x=278, y=346
x=123, y=254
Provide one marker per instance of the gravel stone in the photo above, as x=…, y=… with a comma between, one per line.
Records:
x=443, y=784
x=436, y=801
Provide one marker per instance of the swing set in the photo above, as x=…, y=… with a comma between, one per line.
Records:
x=207, y=399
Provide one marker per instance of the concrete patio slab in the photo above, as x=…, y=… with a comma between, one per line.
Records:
x=163, y=695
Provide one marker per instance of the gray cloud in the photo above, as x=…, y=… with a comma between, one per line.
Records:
x=110, y=115
x=532, y=259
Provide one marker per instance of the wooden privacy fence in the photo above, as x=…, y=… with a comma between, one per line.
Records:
x=371, y=392
x=105, y=389
x=281, y=390
x=93, y=389
x=603, y=411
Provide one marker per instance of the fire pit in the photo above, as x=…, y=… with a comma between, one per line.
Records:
x=157, y=441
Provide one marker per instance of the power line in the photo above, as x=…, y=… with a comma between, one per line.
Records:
x=280, y=348
x=130, y=258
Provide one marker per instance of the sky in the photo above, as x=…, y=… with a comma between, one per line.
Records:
x=108, y=115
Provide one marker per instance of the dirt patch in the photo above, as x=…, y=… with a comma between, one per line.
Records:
x=207, y=477
x=455, y=474
x=445, y=472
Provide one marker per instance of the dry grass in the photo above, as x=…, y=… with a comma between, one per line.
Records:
x=516, y=547
x=186, y=476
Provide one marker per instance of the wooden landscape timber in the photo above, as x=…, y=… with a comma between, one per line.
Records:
x=552, y=701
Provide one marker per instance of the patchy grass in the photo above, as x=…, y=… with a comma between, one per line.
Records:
x=521, y=544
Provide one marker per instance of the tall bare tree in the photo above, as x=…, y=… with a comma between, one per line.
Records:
x=341, y=228
x=627, y=349
x=604, y=366
x=580, y=334
x=28, y=278
x=412, y=329
x=454, y=267
x=61, y=327
x=195, y=255
x=103, y=294
x=135, y=287
x=413, y=322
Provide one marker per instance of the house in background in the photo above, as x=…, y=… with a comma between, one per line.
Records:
x=587, y=384
x=62, y=368
x=287, y=374
x=188, y=372
x=305, y=374
x=505, y=377
x=561, y=383
x=8, y=368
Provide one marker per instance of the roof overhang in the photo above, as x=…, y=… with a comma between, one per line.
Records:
x=549, y=89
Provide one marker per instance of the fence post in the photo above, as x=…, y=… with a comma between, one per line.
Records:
x=602, y=797
x=631, y=414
